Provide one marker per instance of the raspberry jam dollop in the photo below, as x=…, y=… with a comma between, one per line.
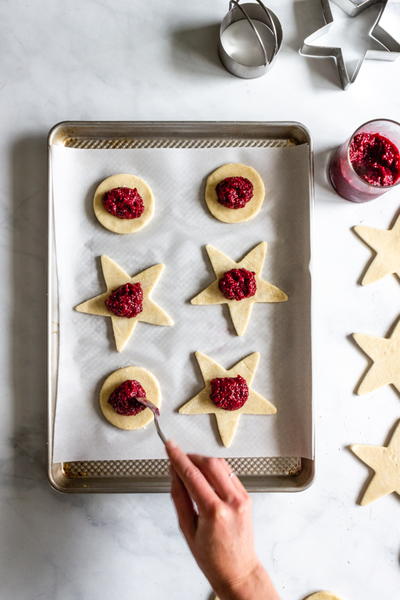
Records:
x=375, y=159
x=126, y=301
x=237, y=284
x=234, y=192
x=123, y=399
x=124, y=203
x=229, y=393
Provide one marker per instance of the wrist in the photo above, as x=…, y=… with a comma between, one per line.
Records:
x=256, y=585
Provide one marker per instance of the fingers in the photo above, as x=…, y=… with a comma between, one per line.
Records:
x=235, y=479
x=187, y=515
x=217, y=472
x=192, y=478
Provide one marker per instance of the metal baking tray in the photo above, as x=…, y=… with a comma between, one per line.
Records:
x=261, y=474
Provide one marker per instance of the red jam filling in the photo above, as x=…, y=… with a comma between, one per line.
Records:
x=126, y=301
x=237, y=284
x=375, y=159
x=124, y=203
x=229, y=393
x=123, y=399
x=234, y=192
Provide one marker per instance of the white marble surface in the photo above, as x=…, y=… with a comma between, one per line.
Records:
x=156, y=60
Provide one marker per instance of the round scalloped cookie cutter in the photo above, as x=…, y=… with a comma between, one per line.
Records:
x=250, y=37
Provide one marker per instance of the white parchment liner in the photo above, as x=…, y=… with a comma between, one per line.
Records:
x=176, y=236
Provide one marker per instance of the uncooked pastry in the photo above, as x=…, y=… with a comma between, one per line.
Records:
x=123, y=225
x=385, y=461
x=385, y=353
x=240, y=310
x=386, y=243
x=149, y=384
x=323, y=596
x=115, y=277
x=227, y=420
x=234, y=215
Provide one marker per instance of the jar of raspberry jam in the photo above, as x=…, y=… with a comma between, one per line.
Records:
x=368, y=164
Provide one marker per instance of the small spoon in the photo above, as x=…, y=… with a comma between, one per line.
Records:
x=154, y=409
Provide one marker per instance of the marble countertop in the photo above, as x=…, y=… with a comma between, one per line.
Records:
x=154, y=60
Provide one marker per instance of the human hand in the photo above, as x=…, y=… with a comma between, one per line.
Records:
x=214, y=513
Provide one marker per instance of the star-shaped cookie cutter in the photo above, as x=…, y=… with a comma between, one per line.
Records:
x=378, y=33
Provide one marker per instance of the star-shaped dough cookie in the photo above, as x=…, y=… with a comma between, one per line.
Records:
x=240, y=310
x=385, y=461
x=386, y=243
x=385, y=353
x=114, y=277
x=227, y=420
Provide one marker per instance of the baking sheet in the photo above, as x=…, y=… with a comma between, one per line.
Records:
x=176, y=236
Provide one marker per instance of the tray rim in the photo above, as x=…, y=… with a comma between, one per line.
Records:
x=267, y=483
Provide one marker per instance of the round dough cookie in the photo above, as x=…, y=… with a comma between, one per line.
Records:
x=234, y=215
x=323, y=596
x=123, y=225
x=151, y=387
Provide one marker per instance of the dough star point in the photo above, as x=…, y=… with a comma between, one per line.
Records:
x=240, y=310
x=114, y=277
x=227, y=420
x=385, y=462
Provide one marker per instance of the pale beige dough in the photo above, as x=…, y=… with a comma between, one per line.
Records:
x=234, y=215
x=149, y=384
x=114, y=277
x=386, y=243
x=323, y=596
x=123, y=225
x=227, y=420
x=240, y=310
x=385, y=354
x=385, y=461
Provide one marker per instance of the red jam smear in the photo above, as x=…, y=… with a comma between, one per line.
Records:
x=237, y=284
x=229, y=393
x=123, y=398
x=375, y=159
x=234, y=192
x=124, y=203
x=126, y=301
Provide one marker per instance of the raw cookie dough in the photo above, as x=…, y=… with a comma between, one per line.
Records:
x=115, y=277
x=123, y=225
x=386, y=243
x=240, y=310
x=234, y=215
x=227, y=420
x=323, y=596
x=385, y=461
x=385, y=354
x=146, y=380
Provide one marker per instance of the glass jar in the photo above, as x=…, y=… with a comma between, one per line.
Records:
x=344, y=178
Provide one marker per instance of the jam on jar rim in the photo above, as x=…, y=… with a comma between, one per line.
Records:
x=356, y=132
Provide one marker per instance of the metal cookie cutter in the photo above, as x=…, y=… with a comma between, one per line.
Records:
x=266, y=29
x=378, y=33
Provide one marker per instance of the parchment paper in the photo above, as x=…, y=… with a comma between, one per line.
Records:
x=176, y=236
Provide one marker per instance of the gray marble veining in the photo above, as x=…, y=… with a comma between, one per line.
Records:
x=157, y=60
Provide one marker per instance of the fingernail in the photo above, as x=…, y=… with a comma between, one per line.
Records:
x=171, y=444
